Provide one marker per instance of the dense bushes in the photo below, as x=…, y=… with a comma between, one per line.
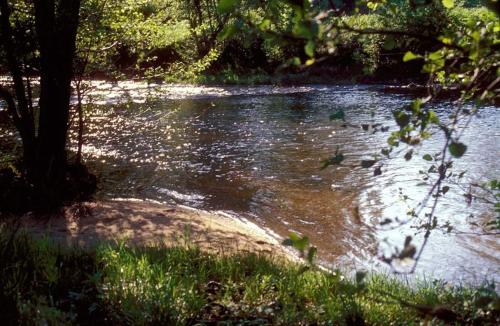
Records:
x=43, y=283
x=381, y=55
x=180, y=41
x=246, y=52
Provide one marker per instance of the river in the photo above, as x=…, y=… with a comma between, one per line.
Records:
x=256, y=152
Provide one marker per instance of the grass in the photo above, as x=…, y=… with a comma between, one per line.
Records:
x=43, y=283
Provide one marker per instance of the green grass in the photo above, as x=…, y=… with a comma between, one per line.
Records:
x=43, y=283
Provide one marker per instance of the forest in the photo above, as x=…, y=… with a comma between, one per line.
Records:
x=249, y=162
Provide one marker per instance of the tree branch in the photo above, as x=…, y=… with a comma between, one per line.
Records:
x=374, y=31
x=14, y=67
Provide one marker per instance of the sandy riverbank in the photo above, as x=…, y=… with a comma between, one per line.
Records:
x=149, y=223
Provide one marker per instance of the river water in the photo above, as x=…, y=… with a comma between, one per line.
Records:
x=256, y=152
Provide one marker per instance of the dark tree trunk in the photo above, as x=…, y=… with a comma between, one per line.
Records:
x=45, y=158
x=56, y=27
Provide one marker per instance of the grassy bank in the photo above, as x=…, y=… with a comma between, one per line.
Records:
x=46, y=284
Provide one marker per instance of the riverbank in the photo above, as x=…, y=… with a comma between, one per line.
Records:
x=257, y=151
x=146, y=223
x=46, y=283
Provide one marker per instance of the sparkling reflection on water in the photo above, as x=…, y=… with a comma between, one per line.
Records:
x=257, y=152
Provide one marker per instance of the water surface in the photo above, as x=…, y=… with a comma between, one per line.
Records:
x=256, y=152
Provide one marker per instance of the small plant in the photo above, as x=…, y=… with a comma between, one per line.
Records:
x=303, y=246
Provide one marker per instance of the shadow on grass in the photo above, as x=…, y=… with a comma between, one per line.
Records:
x=46, y=283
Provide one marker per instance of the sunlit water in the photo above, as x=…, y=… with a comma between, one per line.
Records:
x=256, y=152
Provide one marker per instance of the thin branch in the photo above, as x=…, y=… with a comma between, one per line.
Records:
x=374, y=31
x=14, y=67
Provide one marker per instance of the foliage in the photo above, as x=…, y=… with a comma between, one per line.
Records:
x=43, y=283
x=162, y=39
x=129, y=34
x=188, y=40
x=323, y=30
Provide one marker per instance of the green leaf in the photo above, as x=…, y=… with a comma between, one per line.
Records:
x=338, y=115
x=300, y=29
x=295, y=61
x=410, y=56
x=437, y=55
x=227, y=32
x=402, y=119
x=476, y=35
x=225, y=6
x=265, y=24
x=457, y=149
x=294, y=237
x=433, y=118
x=427, y=157
x=416, y=105
x=367, y=163
x=309, y=48
x=297, y=242
x=474, y=54
x=433, y=65
x=446, y=40
x=448, y=3
x=300, y=243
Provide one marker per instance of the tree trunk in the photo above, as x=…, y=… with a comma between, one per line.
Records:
x=44, y=147
x=56, y=27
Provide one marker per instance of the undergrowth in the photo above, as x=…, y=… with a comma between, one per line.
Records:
x=47, y=284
